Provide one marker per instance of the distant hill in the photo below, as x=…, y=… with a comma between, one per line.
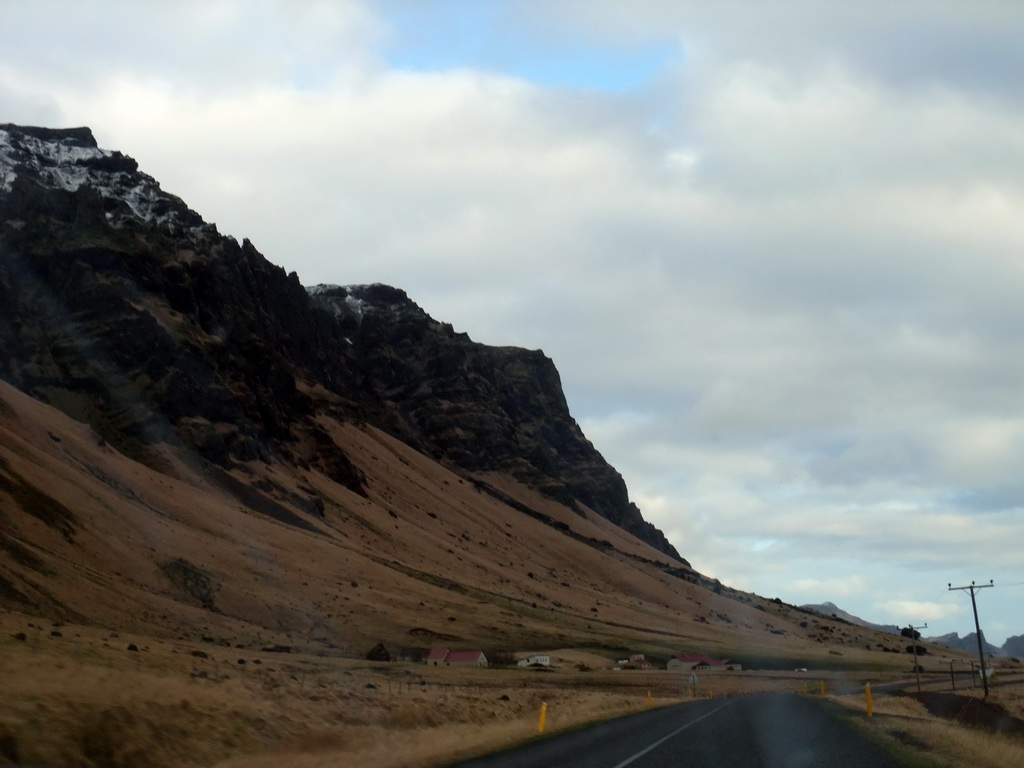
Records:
x=1014, y=646
x=967, y=643
x=831, y=609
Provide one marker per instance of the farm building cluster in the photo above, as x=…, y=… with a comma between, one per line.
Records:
x=445, y=657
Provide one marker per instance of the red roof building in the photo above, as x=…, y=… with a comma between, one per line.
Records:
x=443, y=657
x=437, y=656
x=699, y=661
x=471, y=658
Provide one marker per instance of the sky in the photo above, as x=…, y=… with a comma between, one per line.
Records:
x=774, y=247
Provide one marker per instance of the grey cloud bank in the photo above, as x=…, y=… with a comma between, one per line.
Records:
x=781, y=281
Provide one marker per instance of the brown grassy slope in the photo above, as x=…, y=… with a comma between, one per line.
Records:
x=426, y=558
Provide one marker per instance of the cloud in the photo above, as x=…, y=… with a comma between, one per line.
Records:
x=200, y=46
x=915, y=43
x=837, y=587
x=920, y=611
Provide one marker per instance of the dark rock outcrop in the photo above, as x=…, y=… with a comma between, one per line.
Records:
x=476, y=407
x=151, y=326
x=122, y=307
x=379, y=652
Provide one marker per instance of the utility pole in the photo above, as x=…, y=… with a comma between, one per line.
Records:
x=914, y=634
x=977, y=627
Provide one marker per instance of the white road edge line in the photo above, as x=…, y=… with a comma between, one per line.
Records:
x=661, y=741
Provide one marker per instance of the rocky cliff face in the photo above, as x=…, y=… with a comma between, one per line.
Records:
x=122, y=307
x=126, y=310
x=478, y=408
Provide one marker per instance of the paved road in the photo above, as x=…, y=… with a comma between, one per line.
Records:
x=763, y=731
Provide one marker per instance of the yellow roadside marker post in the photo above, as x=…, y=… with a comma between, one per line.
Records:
x=822, y=687
x=543, y=717
x=648, y=699
x=867, y=698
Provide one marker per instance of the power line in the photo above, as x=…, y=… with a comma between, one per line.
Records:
x=914, y=635
x=981, y=653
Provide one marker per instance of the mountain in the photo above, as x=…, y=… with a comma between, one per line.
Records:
x=192, y=356
x=213, y=334
x=1014, y=646
x=968, y=643
x=193, y=445
x=831, y=609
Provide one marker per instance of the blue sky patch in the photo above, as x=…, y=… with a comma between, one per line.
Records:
x=492, y=37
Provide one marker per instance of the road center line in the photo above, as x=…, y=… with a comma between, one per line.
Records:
x=662, y=740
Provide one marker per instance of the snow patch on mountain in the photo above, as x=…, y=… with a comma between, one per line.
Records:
x=339, y=301
x=356, y=301
x=69, y=160
x=54, y=162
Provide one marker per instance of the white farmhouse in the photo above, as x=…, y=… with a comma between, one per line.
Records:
x=539, y=660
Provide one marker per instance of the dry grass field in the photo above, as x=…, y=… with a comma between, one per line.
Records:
x=83, y=698
x=77, y=695
x=140, y=607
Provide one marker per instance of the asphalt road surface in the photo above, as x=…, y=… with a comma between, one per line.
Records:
x=763, y=731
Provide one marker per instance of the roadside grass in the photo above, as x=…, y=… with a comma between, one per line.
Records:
x=471, y=727
x=1010, y=698
x=89, y=701
x=93, y=703
x=925, y=740
x=77, y=695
